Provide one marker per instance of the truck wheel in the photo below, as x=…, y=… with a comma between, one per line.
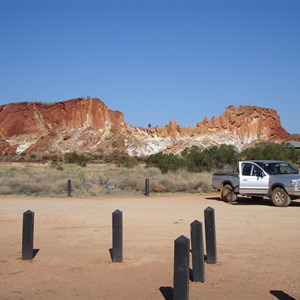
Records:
x=227, y=193
x=280, y=197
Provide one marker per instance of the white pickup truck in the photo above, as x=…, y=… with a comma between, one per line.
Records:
x=277, y=180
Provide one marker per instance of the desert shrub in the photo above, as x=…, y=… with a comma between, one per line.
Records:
x=92, y=180
x=204, y=188
x=194, y=159
x=127, y=183
x=151, y=172
x=159, y=187
x=59, y=167
x=168, y=184
x=87, y=185
x=9, y=173
x=16, y=186
x=45, y=158
x=97, y=156
x=5, y=190
x=74, y=158
x=140, y=185
x=210, y=158
x=75, y=184
x=82, y=177
x=293, y=154
x=28, y=188
x=93, y=194
x=181, y=187
x=33, y=188
x=102, y=180
x=193, y=185
x=128, y=162
x=257, y=152
x=283, y=151
x=165, y=162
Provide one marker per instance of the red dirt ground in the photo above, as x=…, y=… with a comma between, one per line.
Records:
x=258, y=248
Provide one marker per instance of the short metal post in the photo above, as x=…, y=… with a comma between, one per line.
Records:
x=210, y=235
x=181, y=268
x=117, y=239
x=147, y=187
x=69, y=187
x=27, y=236
x=197, y=251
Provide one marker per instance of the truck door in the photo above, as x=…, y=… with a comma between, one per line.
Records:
x=253, y=180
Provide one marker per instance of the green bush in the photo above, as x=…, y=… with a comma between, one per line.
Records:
x=265, y=151
x=128, y=162
x=214, y=157
x=74, y=158
x=283, y=151
x=195, y=160
x=165, y=162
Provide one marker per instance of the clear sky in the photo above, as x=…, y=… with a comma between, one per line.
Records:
x=156, y=60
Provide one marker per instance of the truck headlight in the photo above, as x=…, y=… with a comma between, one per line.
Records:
x=295, y=183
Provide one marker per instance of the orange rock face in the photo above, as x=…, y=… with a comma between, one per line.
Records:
x=41, y=125
x=249, y=123
x=35, y=118
x=87, y=125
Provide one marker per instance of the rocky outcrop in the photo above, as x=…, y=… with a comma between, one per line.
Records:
x=36, y=118
x=87, y=125
x=250, y=123
x=77, y=124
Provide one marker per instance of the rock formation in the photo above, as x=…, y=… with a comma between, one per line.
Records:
x=250, y=123
x=88, y=126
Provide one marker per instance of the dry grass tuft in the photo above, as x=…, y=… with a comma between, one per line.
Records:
x=45, y=180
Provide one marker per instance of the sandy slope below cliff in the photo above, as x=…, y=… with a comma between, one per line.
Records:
x=258, y=248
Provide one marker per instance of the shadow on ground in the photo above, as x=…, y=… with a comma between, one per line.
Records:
x=280, y=295
x=167, y=292
x=251, y=201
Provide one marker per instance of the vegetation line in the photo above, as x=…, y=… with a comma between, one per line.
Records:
x=92, y=175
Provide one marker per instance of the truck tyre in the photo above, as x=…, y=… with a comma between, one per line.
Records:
x=280, y=197
x=227, y=194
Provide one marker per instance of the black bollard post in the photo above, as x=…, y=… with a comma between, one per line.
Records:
x=181, y=268
x=117, y=229
x=147, y=187
x=210, y=235
x=69, y=188
x=27, y=236
x=197, y=251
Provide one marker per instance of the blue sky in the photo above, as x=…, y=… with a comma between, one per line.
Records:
x=156, y=60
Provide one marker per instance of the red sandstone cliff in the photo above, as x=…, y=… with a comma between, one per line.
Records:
x=43, y=127
x=33, y=118
x=250, y=123
x=87, y=125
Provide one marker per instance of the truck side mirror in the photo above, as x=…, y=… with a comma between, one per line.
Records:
x=259, y=173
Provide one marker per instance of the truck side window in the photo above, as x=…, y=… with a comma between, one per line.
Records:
x=271, y=169
x=256, y=171
x=247, y=169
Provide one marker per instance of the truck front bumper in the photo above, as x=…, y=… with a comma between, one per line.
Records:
x=293, y=191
